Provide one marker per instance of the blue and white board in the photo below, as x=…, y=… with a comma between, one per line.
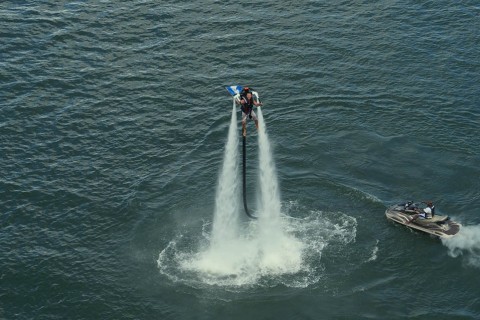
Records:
x=234, y=90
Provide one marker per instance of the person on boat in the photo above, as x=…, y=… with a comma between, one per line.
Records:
x=426, y=213
x=429, y=210
x=410, y=206
x=247, y=102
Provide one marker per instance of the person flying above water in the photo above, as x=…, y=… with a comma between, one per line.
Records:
x=247, y=102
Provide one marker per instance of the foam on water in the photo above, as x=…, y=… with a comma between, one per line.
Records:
x=466, y=243
x=270, y=250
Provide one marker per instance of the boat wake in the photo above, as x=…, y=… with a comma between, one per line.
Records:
x=466, y=244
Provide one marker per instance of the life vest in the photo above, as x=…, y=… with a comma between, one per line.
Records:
x=428, y=211
x=247, y=104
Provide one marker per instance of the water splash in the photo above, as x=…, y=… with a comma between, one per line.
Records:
x=274, y=249
x=270, y=206
x=281, y=251
x=261, y=248
x=226, y=252
x=225, y=223
x=466, y=243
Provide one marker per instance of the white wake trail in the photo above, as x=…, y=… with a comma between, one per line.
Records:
x=466, y=243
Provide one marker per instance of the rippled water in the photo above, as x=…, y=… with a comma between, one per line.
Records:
x=113, y=124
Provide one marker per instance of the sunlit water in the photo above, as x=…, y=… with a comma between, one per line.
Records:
x=117, y=152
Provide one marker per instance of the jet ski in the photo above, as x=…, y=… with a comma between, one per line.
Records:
x=410, y=214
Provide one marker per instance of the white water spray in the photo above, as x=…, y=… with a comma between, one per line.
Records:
x=241, y=251
x=225, y=223
x=282, y=252
x=222, y=258
x=466, y=243
x=270, y=205
x=260, y=248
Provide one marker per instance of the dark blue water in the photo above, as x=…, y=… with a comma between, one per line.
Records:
x=113, y=125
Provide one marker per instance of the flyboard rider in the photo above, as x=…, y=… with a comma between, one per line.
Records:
x=247, y=102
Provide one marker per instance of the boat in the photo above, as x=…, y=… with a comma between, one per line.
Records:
x=408, y=214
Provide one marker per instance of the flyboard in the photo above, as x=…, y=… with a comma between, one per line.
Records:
x=235, y=91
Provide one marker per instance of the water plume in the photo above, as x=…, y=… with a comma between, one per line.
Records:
x=240, y=252
x=225, y=223
x=466, y=243
x=282, y=252
x=243, y=252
